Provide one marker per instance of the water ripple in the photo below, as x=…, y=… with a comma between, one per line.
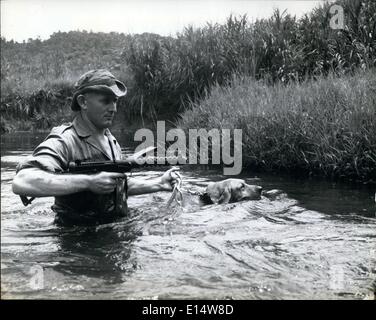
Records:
x=263, y=249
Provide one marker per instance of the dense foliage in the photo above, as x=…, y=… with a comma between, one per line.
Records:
x=163, y=74
x=322, y=127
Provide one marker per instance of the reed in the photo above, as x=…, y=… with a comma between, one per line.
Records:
x=325, y=127
x=169, y=72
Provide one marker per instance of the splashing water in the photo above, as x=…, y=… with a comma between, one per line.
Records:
x=317, y=241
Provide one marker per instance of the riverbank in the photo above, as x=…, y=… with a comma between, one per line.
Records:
x=325, y=127
x=164, y=74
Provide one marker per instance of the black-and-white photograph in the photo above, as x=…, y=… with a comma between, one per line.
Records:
x=188, y=150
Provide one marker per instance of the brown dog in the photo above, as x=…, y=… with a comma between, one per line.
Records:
x=230, y=190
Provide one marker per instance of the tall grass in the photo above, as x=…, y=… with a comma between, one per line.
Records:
x=325, y=127
x=163, y=74
x=40, y=109
x=169, y=72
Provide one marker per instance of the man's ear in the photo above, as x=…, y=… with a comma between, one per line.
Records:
x=81, y=100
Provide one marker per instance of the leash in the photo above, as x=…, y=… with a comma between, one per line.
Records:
x=177, y=192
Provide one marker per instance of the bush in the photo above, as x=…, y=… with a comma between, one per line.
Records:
x=325, y=127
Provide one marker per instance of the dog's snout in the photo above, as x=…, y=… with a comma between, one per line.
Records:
x=259, y=189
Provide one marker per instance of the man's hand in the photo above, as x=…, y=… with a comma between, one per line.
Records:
x=169, y=179
x=104, y=182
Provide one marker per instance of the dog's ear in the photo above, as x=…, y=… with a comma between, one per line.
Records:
x=219, y=192
x=213, y=191
x=226, y=195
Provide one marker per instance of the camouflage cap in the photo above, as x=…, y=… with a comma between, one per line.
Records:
x=97, y=80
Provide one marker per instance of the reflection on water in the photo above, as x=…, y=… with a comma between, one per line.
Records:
x=318, y=241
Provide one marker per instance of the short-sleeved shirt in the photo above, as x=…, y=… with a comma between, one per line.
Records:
x=71, y=142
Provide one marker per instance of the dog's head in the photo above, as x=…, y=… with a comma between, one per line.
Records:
x=232, y=190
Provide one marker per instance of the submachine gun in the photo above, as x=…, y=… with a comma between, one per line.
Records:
x=120, y=166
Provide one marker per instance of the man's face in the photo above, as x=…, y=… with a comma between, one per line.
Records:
x=101, y=108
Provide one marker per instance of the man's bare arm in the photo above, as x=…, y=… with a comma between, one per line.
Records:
x=163, y=183
x=141, y=186
x=35, y=182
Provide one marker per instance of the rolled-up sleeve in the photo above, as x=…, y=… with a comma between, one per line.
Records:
x=51, y=155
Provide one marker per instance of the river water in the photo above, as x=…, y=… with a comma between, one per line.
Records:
x=317, y=241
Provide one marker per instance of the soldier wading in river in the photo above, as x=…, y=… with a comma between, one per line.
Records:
x=85, y=198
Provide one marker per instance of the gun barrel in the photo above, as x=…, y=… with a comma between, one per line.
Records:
x=119, y=165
